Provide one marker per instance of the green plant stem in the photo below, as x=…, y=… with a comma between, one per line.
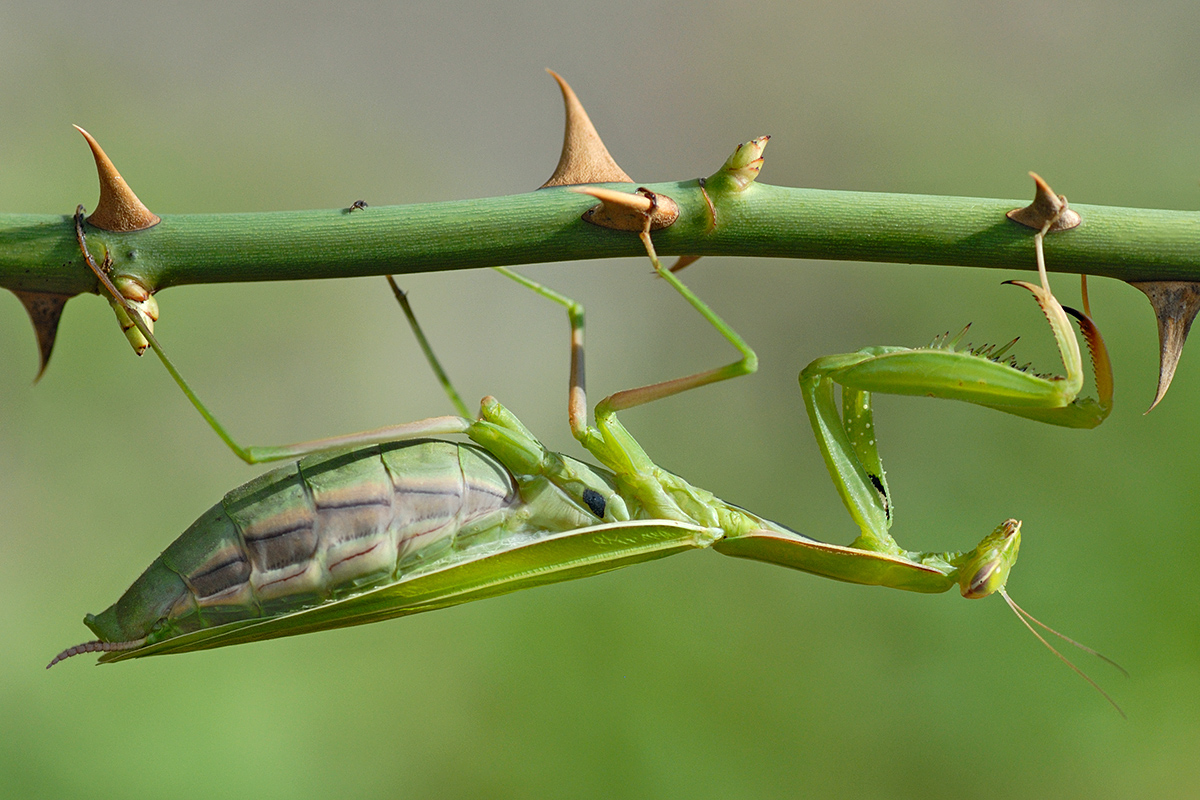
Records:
x=39, y=252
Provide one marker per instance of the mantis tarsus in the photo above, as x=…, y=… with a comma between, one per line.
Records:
x=402, y=524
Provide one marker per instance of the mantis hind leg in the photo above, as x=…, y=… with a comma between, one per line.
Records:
x=630, y=398
x=427, y=349
x=255, y=454
x=746, y=365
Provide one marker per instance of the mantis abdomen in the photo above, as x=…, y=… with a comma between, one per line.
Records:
x=316, y=530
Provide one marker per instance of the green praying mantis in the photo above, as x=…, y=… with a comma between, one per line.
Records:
x=386, y=523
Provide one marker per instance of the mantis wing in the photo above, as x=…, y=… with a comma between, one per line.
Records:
x=487, y=572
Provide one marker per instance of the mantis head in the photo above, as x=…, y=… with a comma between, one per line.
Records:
x=984, y=571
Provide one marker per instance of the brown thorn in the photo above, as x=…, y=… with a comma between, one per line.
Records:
x=45, y=310
x=584, y=157
x=624, y=211
x=684, y=261
x=118, y=209
x=1175, y=305
x=1046, y=205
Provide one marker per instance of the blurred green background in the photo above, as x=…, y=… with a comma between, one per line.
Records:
x=698, y=676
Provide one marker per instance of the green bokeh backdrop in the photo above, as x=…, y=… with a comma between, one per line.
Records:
x=697, y=676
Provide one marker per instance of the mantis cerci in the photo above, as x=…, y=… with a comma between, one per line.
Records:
x=386, y=523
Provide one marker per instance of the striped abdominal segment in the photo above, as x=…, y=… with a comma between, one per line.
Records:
x=319, y=529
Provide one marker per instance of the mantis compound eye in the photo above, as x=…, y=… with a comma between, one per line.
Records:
x=983, y=582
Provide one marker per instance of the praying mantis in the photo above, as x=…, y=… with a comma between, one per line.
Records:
x=386, y=523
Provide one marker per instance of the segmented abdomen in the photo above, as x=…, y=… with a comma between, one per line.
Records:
x=333, y=524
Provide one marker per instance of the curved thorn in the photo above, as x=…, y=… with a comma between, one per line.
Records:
x=584, y=157
x=45, y=311
x=684, y=261
x=1175, y=305
x=118, y=208
x=1046, y=206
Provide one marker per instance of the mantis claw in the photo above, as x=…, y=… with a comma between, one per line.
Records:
x=1102, y=372
x=982, y=375
x=1072, y=412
